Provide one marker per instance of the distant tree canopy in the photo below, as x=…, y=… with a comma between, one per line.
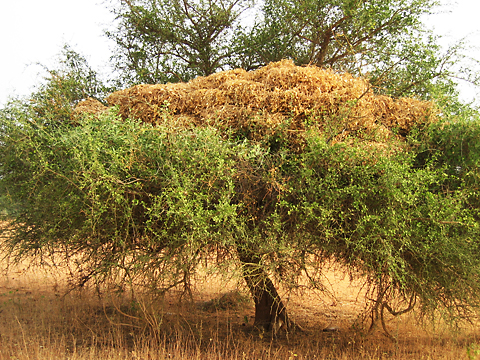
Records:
x=163, y=41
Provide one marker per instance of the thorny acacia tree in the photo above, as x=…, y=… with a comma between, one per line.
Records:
x=151, y=202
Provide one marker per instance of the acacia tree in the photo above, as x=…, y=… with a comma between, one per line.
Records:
x=164, y=41
x=168, y=41
x=128, y=198
x=147, y=203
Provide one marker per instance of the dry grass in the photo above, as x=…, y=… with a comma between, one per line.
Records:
x=39, y=320
x=278, y=98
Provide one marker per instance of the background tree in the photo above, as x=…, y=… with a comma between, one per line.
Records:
x=164, y=41
x=340, y=33
x=385, y=41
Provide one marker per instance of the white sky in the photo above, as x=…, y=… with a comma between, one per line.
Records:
x=34, y=31
x=459, y=20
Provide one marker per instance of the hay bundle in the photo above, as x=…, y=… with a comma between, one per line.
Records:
x=89, y=106
x=278, y=97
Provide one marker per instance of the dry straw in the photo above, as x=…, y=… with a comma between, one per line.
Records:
x=280, y=98
x=89, y=106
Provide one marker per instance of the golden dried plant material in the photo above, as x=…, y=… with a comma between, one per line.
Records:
x=89, y=106
x=279, y=97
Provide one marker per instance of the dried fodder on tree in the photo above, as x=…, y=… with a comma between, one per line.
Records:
x=280, y=98
x=89, y=106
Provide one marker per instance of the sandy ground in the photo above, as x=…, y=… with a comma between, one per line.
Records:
x=338, y=308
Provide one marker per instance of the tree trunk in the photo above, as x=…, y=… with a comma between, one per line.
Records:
x=270, y=313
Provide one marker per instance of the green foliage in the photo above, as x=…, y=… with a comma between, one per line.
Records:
x=163, y=41
x=143, y=201
x=73, y=81
x=333, y=32
x=112, y=191
x=169, y=41
x=392, y=221
x=455, y=144
x=473, y=351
